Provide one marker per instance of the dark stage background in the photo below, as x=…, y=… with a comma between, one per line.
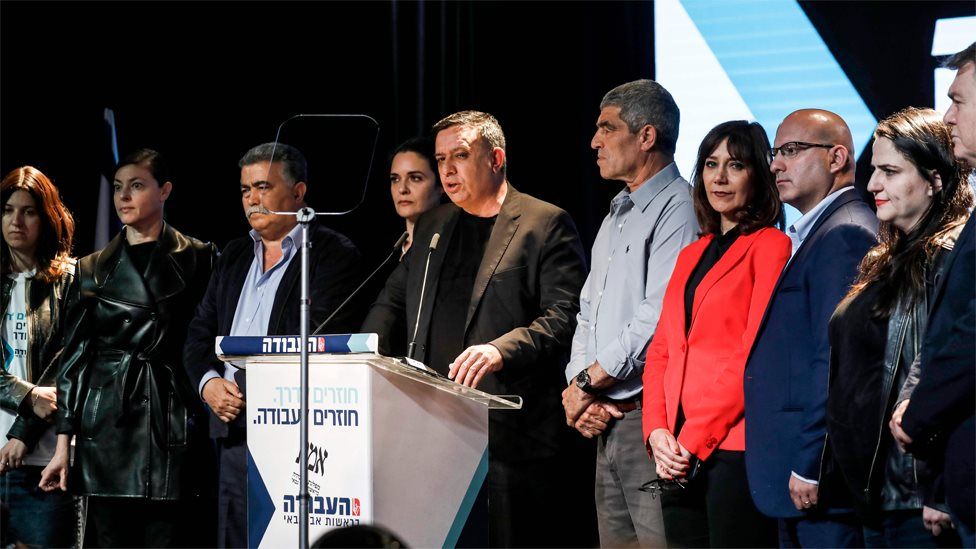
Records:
x=203, y=82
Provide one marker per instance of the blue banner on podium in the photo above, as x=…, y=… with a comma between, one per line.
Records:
x=286, y=345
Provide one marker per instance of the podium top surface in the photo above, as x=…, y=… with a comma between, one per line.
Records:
x=392, y=365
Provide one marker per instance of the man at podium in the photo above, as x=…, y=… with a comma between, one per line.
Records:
x=254, y=291
x=500, y=273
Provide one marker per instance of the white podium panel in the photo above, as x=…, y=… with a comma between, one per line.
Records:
x=339, y=462
x=388, y=445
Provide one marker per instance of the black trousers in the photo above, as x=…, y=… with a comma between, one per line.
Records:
x=232, y=491
x=716, y=508
x=141, y=522
x=544, y=502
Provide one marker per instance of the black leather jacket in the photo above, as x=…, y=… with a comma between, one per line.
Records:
x=894, y=480
x=139, y=427
x=45, y=303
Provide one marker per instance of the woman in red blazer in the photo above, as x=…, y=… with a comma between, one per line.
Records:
x=714, y=303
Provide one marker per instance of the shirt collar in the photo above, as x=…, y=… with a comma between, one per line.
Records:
x=801, y=227
x=646, y=192
x=291, y=241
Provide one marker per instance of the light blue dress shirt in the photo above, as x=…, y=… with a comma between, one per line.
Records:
x=258, y=295
x=633, y=256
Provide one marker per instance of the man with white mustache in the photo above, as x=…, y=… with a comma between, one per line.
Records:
x=254, y=291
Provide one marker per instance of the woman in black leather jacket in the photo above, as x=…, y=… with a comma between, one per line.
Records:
x=141, y=448
x=922, y=202
x=35, y=272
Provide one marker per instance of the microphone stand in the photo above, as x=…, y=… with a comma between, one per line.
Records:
x=305, y=216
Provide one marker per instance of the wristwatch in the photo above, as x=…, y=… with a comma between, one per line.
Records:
x=583, y=382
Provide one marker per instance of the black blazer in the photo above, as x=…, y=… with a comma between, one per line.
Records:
x=524, y=302
x=941, y=410
x=334, y=267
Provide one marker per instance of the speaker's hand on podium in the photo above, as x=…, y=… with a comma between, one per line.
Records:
x=472, y=364
x=224, y=398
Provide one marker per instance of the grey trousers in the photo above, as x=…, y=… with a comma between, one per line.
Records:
x=626, y=516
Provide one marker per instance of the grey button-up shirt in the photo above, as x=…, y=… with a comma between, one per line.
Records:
x=633, y=256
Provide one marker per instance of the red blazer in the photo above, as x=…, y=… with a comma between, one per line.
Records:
x=704, y=369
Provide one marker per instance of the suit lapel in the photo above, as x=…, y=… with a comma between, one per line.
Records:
x=501, y=235
x=117, y=277
x=961, y=242
x=682, y=271
x=164, y=276
x=235, y=284
x=846, y=198
x=289, y=282
x=433, y=277
x=728, y=260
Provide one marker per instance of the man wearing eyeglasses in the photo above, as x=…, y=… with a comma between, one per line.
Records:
x=786, y=374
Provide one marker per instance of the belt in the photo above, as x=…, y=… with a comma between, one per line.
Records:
x=628, y=404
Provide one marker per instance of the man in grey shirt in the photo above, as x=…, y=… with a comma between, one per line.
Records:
x=649, y=222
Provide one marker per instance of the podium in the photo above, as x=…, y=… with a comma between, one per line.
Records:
x=389, y=445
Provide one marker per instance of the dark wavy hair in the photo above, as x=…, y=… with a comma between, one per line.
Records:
x=58, y=227
x=747, y=143
x=898, y=263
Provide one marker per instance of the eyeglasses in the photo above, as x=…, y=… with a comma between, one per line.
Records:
x=659, y=486
x=794, y=148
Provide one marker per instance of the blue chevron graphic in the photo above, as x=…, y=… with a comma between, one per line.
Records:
x=477, y=480
x=778, y=63
x=260, y=508
x=8, y=352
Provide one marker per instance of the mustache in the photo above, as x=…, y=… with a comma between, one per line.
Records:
x=256, y=210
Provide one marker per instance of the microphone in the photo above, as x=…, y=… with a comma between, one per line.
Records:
x=396, y=248
x=423, y=286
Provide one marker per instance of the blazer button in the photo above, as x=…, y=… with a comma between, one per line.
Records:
x=710, y=443
x=684, y=347
x=126, y=319
x=142, y=356
x=152, y=316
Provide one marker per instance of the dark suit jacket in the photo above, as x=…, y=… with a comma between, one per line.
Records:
x=524, y=302
x=334, y=273
x=786, y=374
x=701, y=368
x=940, y=413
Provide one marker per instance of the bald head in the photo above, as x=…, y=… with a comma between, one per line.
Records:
x=814, y=172
x=826, y=127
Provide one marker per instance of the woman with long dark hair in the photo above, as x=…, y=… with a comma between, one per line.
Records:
x=876, y=331
x=35, y=272
x=715, y=300
x=141, y=447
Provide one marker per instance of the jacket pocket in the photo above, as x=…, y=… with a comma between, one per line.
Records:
x=102, y=398
x=176, y=415
x=94, y=412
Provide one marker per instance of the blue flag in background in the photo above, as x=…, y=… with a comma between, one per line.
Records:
x=106, y=222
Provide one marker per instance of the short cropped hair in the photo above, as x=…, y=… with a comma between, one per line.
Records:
x=644, y=102
x=296, y=168
x=486, y=124
x=960, y=59
x=149, y=159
